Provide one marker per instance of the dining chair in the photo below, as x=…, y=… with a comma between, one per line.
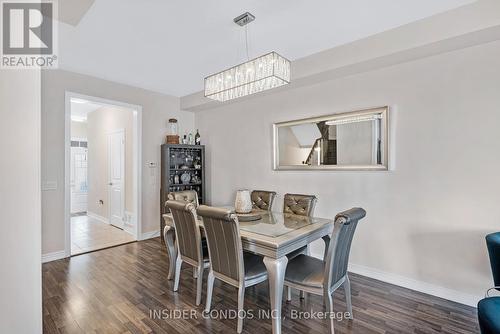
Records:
x=228, y=261
x=190, y=249
x=297, y=204
x=190, y=196
x=262, y=199
x=301, y=205
x=322, y=278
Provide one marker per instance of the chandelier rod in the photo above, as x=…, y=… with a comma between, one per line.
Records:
x=246, y=41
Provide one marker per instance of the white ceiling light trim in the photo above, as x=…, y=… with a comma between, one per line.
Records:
x=79, y=101
x=262, y=73
x=78, y=118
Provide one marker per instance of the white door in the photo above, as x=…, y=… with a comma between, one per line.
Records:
x=116, y=184
x=78, y=178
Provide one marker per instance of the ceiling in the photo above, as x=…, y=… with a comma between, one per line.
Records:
x=170, y=46
x=80, y=109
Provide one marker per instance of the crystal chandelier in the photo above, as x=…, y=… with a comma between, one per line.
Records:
x=262, y=73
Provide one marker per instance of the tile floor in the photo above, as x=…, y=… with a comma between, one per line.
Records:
x=89, y=234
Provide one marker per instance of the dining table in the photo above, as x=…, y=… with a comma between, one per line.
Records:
x=272, y=235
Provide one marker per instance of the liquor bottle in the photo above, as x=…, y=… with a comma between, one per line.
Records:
x=190, y=139
x=197, y=138
x=184, y=140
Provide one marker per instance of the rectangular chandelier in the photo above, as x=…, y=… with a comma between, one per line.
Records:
x=265, y=72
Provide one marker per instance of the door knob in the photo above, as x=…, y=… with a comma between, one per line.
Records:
x=110, y=184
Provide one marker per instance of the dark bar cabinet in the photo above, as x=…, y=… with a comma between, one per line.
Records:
x=182, y=168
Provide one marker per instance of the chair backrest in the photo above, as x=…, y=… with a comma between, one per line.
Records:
x=224, y=243
x=190, y=196
x=262, y=199
x=302, y=205
x=187, y=231
x=493, y=244
x=337, y=257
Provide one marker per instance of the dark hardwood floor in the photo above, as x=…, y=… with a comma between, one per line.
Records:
x=118, y=290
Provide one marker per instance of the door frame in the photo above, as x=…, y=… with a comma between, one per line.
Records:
x=136, y=162
x=123, y=162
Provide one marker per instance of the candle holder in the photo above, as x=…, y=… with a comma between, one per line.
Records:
x=243, y=202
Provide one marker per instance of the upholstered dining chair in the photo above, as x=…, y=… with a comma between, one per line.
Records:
x=322, y=278
x=228, y=261
x=302, y=205
x=262, y=199
x=190, y=196
x=488, y=309
x=190, y=249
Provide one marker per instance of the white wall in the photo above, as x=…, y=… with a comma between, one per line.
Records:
x=100, y=123
x=157, y=109
x=21, y=283
x=78, y=129
x=427, y=217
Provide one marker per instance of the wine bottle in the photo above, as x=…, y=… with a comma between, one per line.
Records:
x=197, y=138
x=190, y=139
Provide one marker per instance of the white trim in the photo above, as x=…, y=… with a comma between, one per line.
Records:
x=150, y=235
x=409, y=283
x=98, y=217
x=412, y=284
x=53, y=256
x=137, y=163
x=129, y=222
x=79, y=138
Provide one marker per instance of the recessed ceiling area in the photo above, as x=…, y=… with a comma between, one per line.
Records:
x=80, y=108
x=170, y=46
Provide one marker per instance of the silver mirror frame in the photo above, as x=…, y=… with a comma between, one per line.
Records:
x=384, y=111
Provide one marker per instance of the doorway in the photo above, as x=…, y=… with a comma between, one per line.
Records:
x=102, y=180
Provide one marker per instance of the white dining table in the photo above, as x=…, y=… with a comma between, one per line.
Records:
x=273, y=236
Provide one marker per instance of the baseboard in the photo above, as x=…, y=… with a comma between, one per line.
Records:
x=53, y=256
x=98, y=217
x=149, y=235
x=129, y=223
x=412, y=284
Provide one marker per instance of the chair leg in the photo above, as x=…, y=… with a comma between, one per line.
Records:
x=288, y=293
x=307, y=252
x=347, y=290
x=329, y=306
x=178, y=265
x=241, y=300
x=199, y=284
x=210, y=288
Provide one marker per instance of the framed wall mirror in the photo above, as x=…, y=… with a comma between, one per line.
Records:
x=355, y=140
